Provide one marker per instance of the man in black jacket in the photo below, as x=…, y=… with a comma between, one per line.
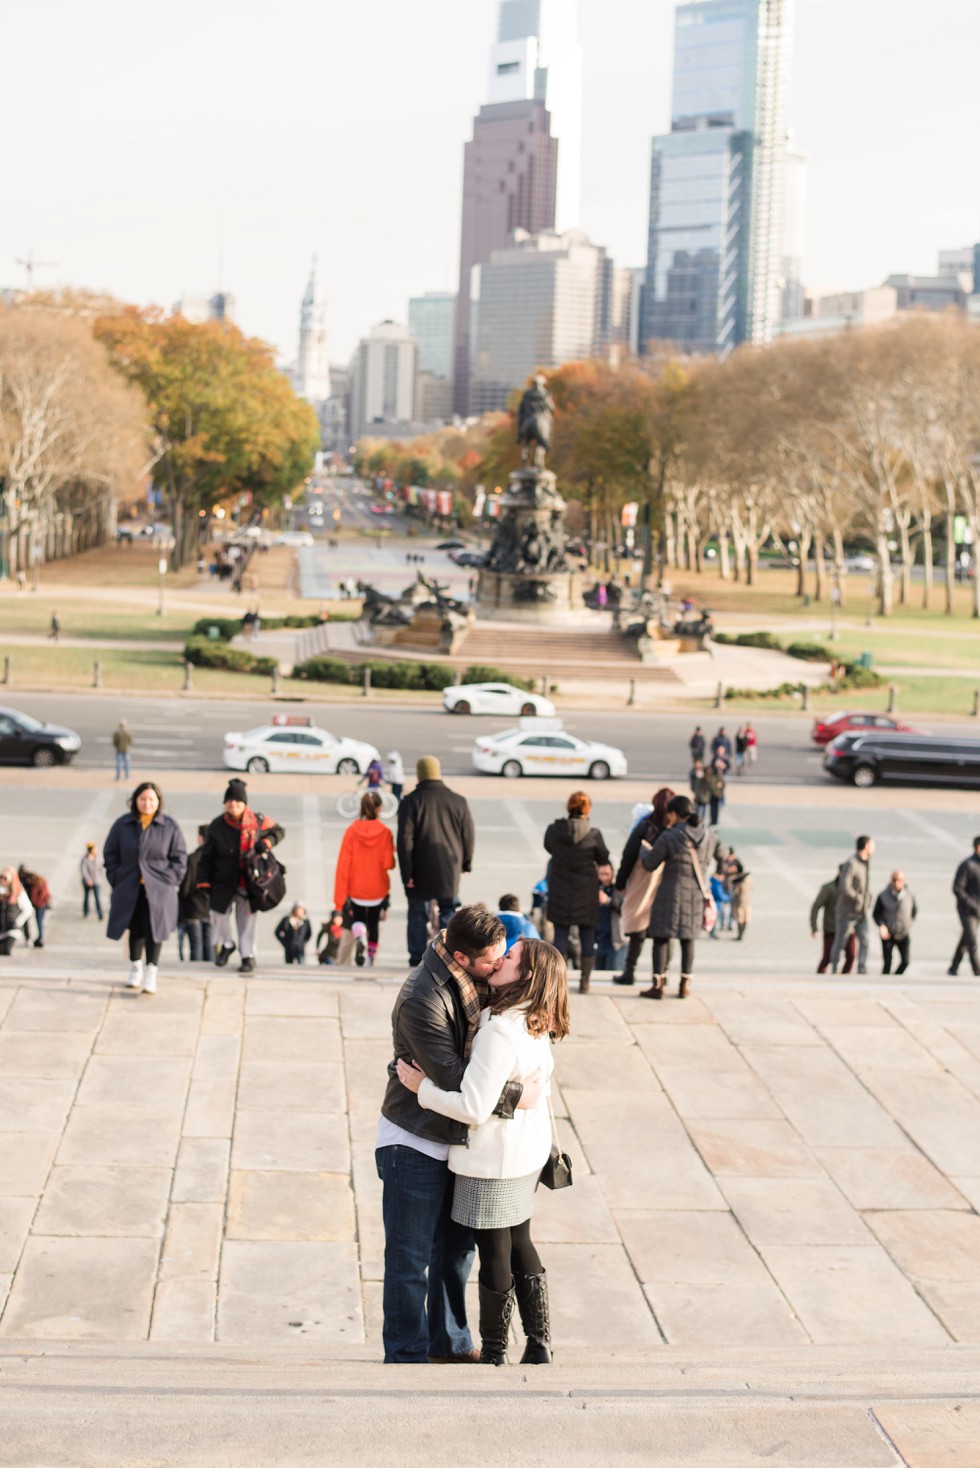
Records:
x=194, y=909
x=966, y=889
x=232, y=838
x=435, y=847
x=433, y=1023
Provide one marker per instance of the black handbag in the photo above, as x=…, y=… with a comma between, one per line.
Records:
x=557, y=1171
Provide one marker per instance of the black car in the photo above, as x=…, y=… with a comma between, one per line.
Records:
x=916, y=759
x=468, y=558
x=25, y=741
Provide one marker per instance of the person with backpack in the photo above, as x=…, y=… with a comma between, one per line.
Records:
x=294, y=932
x=234, y=839
x=39, y=896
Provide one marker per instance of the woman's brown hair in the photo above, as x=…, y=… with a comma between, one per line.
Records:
x=540, y=989
x=370, y=805
x=579, y=804
x=661, y=801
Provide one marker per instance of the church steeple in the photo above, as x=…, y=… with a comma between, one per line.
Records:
x=312, y=367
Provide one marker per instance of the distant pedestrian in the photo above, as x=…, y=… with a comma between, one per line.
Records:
x=122, y=743
x=610, y=950
x=516, y=925
x=294, y=932
x=966, y=890
x=436, y=837
x=194, y=909
x=741, y=751
x=231, y=840
x=686, y=850
x=15, y=911
x=721, y=746
x=638, y=886
x=824, y=913
x=577, y=850
x=91, y=872
x=854, y=904
x=714, y=784
x=145, y=860
x=396, y=773
x=895, y=911
x=751, y=744
x=697, y=746
x=374, y=776
x=54, y=631
x=739, y=883
x=700, y=789
x=361, y=881
x=39, y=896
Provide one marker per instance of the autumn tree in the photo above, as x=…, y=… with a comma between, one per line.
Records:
x=224, y=419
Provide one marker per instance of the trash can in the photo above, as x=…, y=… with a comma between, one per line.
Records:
x=214, y=633
x=865, y=660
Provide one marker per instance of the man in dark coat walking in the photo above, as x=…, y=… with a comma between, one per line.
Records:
x=966, y=890
x=194, y=911
x=231, y=839
x=435, y=847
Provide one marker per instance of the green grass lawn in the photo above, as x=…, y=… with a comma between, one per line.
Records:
x=952, y=697
x=30, y=615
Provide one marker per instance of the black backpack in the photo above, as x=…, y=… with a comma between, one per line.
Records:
x=265, y=879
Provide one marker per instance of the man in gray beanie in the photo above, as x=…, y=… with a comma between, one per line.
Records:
x=230, y=839
x=435, y=847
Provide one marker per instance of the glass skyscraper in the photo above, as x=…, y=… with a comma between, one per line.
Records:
x=715, y=247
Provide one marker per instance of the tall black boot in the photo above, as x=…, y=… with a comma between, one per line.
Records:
x=532, y=1301
x=588, y=964
x=496, y=1312
x=628, y=976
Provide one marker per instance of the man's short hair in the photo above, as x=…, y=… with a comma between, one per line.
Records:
x=509, y=903
x=862, y=843
x=976, y=842
x=472, y=930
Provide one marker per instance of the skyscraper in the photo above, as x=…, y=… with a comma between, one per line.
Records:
x=522, y=169
x=717, y=179
x=312, y=377
x=382, y=383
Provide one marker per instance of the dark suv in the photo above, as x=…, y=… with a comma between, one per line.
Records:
x=917, y=759
x=25, y=741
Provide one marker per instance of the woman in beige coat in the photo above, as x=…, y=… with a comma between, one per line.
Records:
x=639, y=886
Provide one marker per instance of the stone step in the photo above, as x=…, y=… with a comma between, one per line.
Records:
x=89, y=1406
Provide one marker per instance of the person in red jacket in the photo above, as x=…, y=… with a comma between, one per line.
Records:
x=367, y=855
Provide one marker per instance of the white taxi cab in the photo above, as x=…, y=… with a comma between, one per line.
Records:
x=543, y=747
x=290, y=742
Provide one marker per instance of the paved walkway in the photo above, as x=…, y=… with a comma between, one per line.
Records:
x=765, y=1163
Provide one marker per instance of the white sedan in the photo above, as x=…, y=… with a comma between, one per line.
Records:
x=496, y=698
x=308, y=750
x=519, y=752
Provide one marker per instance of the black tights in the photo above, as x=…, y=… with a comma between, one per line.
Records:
x=141, y=932
x=661, y=955
x=586, y=938
x=505, y=1252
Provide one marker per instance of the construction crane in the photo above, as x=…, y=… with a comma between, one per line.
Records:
x=32, y=263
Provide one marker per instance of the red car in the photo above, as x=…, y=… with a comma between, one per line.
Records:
x=824, y=730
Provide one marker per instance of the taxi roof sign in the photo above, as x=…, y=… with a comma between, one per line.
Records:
x=539, y=723
x=292, y=721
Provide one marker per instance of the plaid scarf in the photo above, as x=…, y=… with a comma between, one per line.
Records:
x=473, y=992
x=248, y=830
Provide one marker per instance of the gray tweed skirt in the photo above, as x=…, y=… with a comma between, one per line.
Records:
x=492, y=1202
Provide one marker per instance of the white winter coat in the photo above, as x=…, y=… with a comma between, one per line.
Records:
x=498, y=1148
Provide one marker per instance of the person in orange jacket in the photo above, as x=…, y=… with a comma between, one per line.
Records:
x=361, y=882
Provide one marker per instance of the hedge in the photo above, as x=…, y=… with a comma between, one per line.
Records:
x=204, y=653
x=810, y=652
x=420, y=677
x=229, y=627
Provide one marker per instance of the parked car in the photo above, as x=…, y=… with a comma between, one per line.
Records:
x=26, y=741
x=495, y=698
x=525, y=751
x=311, y=750
x=915, y=759
x=468, y=558
x=824, y=730
x=859, y=563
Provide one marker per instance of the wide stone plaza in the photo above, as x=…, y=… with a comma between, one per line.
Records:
x=771, y=1253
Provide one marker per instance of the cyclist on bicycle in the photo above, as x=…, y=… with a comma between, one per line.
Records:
x=374, y=776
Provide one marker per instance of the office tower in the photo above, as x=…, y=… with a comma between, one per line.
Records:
x=544, y=300
x=794, y=235
x=312, y=376
x=382, y=382
x=717, y=179
x=509, y=174
x=430, y=322
x=537, y=54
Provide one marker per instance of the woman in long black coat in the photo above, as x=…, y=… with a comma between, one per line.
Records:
x=145, y=860
x=638, y=886
x=577, y=850
x=686, y=850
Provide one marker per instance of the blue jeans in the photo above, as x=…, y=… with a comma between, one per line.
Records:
x=197, y=934
x=122, y=764
x=423, y=1317
x=418, y=922
x=88, y=895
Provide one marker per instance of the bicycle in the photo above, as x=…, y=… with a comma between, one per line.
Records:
x=349, y=804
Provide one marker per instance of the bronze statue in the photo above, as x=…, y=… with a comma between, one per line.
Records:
x=535, y=420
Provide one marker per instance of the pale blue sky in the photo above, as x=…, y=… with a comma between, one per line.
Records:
x=144, y=145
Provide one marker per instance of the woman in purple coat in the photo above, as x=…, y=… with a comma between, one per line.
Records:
x=145, y=860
